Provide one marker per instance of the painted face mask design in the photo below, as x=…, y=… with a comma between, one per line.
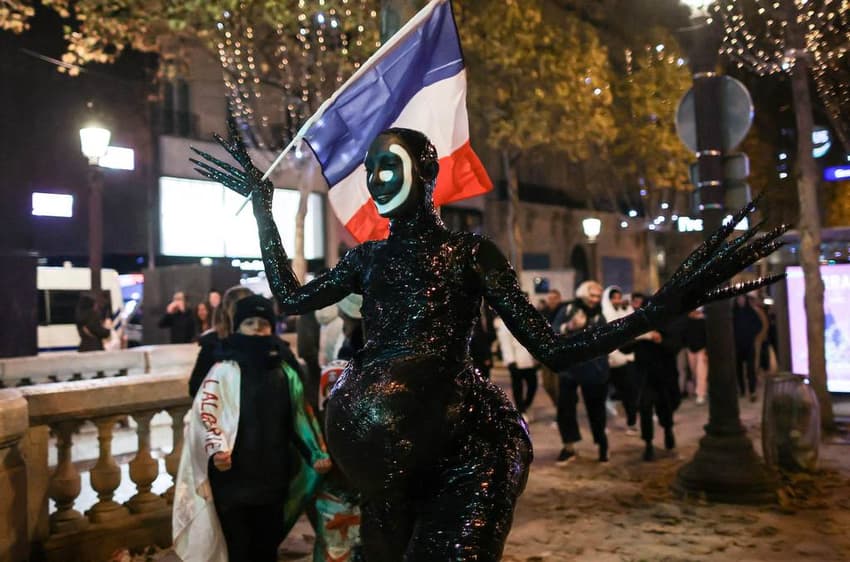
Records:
x=389, y=175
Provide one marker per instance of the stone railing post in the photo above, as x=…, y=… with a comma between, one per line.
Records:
x=144, y=468
x=65, y=482
x=14, y=532
x=35, y=448
x=106, y=475
x=172, y=460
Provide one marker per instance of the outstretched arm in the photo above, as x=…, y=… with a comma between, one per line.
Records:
x=248, y=181
x=699, y=280
x=503, y=293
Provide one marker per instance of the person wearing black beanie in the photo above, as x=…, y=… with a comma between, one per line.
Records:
x=251, y=483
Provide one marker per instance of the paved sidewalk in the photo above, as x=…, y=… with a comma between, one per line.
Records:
x=624, y=511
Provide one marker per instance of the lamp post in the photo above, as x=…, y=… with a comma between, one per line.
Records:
x=94, y=141
x=725, y=467
x=592, y=227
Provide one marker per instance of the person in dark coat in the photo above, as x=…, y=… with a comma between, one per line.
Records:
x=250, y=483
x=655, y=363
x=89, y=322
x=591, y=376
x=179, y=319
x=747, y=325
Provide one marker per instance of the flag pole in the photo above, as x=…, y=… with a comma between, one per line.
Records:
x=380, y=53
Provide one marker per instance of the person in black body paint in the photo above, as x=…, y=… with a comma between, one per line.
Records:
x=439, y=454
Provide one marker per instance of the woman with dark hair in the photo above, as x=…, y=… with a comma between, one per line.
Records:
x=203, y=318
x=90, y=324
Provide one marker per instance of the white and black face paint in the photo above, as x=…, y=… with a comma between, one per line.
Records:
x=389, y=175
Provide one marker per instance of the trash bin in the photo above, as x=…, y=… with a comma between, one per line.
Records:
x=790, y=423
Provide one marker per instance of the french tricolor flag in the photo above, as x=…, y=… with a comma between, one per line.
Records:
x=416, y=80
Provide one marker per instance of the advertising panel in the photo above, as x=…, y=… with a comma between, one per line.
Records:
x=836, y=280
x=198, y=219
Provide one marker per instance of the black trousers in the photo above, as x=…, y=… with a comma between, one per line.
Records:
x=624, y=380
x=524, y=386
x=655, y=398
x=594, y=396
x=253, y=533
x=746, y=359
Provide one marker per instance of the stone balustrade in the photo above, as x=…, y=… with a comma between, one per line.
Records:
x=27, y=417
x=66, y=366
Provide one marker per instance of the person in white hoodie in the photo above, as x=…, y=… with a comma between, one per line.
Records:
x=621, y=364
x=522, y=367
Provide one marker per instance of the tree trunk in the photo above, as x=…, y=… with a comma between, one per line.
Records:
x=652, y=251
x=513, y=228
x=810, y=236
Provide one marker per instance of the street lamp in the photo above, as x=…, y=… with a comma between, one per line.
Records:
x=592, y=227
x=93, y=143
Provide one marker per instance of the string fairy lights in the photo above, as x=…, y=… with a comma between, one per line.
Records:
x=277, y=74
x=756, y=36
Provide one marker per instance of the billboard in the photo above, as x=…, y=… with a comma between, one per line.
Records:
x=198, y=219
x=836, y=279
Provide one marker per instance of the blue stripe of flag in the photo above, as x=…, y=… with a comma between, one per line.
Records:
x=341, y=137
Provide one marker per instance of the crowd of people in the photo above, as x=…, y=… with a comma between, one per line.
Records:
x=648, y=377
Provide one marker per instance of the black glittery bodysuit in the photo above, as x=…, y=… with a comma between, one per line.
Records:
x=439, y=454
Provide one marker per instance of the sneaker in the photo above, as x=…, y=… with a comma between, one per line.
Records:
x=566, y=457
x=631, y=430
x=669, y=439
x=649, y=453
x=700, y=400
x=611, y=408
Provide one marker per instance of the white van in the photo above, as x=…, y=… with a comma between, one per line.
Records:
x=59, y=290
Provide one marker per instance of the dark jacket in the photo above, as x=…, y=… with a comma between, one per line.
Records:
x=747, y=325
x=656, y=362
x=91, y=331
x=596, y=370
x=181, y=326
x=214, y=350
x=262, y=464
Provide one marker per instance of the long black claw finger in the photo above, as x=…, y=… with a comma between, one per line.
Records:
x=740, y=288
x=216, y=172
x=742, y=239
x=708, y=250
x=747, y=257
x=229, y=182
x=233, y=170
x=230, y=147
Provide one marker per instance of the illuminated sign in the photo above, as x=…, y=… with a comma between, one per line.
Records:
x=686, y=224
x=836, y=298
x=198, y=218
x=821, y=141
x=52, y=205
x=118, y=158
x=836, y=173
